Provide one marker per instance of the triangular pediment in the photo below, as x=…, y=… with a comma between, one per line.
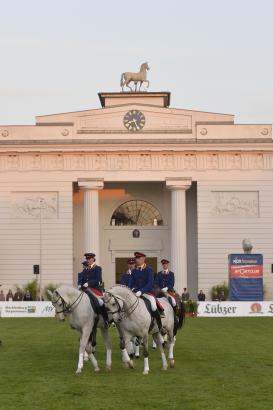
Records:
x=156, y=119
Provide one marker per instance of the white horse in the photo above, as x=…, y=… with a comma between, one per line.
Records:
x=140, y=77
x=132, y=319
x=74, y=305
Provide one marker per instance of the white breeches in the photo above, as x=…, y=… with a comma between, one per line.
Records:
x=173, y=301
x=152, y=301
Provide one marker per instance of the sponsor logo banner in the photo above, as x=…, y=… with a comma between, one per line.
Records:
x=235, y=309
x=27, y=309
x=245, y=276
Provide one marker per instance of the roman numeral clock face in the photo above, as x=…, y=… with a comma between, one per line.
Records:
x=134, y=120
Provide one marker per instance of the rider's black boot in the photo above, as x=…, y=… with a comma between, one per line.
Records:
x=104, y=315
x=159, y=323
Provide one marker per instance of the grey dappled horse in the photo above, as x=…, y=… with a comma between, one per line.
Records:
x=74, y=305
x=133, y=319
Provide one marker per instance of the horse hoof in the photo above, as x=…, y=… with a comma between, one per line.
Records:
x=78, y=371
x=164, y=368
x=172, y=363
x=131, y=364
x=125, y=365
x=137, y=356
x=97, y=369
x=108, y=368
x=145, y=372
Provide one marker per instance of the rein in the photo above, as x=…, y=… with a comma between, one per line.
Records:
x=124, y=313
x=67, y=308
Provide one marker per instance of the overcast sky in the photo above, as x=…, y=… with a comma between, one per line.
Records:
x=213, y=55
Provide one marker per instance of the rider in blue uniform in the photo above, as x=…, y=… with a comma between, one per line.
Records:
x=142, y=282
x=93, y=284
x=82, y=276
x=165, y=281
x=126, y=276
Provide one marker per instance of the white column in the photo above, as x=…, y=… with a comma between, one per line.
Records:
x=178, y=189
x=91, y=219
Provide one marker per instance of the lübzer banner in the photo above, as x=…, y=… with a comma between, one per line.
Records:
x=235, y=309
x=27, y=309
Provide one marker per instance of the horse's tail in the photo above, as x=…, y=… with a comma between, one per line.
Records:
x=181, y=315
x=121, y=80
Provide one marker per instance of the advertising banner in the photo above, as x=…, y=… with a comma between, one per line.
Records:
x=245, y=277
x=27, y=309
x=235, y=309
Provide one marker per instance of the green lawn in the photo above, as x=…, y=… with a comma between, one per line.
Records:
x=220, y=364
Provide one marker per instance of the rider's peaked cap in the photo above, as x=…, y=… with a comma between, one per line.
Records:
x=89, y=255
x=85, y=263
x=131, y=261
x=139, y=255
x=164, y=261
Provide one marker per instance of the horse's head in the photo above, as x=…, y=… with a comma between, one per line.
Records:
x=114, y=305
x=60, y=301
x=145, y=66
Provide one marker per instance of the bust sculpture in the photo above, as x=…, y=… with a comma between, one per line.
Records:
x=247, y=246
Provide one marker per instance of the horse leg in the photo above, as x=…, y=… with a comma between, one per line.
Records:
x=146, y=354
x=161, y=349
x=135, y=86
x=127, y=85
x=171, y=358
x=124, y=353
x=140, y=84
x=108, y=346
x=83, y=344
x=92, y=347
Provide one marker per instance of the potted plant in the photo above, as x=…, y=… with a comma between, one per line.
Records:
x=220, y=292
x=191, y=308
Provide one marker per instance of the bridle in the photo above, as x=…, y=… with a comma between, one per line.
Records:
x=67, y=307
x=121, y=311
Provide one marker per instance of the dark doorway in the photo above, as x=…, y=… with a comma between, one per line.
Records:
x=121, y=266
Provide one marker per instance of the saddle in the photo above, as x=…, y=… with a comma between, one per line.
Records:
x=148, y=305
x=94, y=302
x=149, y=308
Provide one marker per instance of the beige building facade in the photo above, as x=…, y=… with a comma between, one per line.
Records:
x=134, y=174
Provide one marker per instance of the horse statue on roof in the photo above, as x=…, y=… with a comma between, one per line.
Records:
x=140, y=77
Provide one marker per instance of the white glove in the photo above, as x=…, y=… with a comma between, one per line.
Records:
x=138, y=294
x=164, y=289
x=85, y=285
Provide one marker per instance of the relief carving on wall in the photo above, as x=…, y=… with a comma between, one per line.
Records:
x=235, y=203
x=136, y=161
x=34, y=205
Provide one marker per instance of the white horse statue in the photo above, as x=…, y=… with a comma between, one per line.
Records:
x=140, y=77
x=74, y=305
x=132, y=319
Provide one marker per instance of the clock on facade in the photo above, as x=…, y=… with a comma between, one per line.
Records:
x=134, y=120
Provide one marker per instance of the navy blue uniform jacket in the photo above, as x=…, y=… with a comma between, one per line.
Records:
x=142, y=280
x=94, y=277
x=125, y=279
x=165, y=280
x=82, y=277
